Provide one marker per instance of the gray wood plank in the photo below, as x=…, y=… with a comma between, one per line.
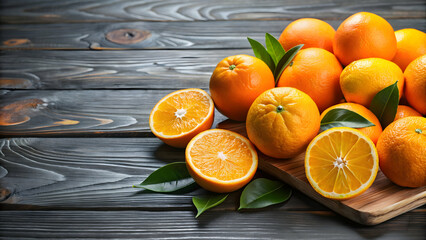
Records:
x=142, y=69
x=153, y=35
x=97, y=174
x=79, y=112
x=267, y=224
x=28, y=11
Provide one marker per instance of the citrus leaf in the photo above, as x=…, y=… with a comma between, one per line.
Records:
x=203, y=203
x=263, y=192
x=169, y=178
x=274, y=48
x=261, y=53
x=285, y=60
x=340, y=117
x=385, y=103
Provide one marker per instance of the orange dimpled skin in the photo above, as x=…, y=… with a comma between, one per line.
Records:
x=316, y=72
x=372, y=132
x=405, y=111
x=236, y=82
x=411, y=44
x=282, y=121
x=364, y=35
x=415, y=84
x=402, y=152
x=308, y=31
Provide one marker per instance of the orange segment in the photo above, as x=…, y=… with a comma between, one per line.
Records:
x=181, y=115
x=341, y=163
x=221, y=160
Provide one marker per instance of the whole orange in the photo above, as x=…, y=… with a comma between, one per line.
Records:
x=405, y=111
x=236, y=82
x=364, y=35
x=282, y=121
x=372, y=132
x=411, y=44
x=308, y=31
x=415, y=86
x=402, y=152
x=316, y=72
x=361, y=80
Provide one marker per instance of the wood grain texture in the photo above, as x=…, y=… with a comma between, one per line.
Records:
x=28, y=11
x=267, y=224
x=382, y=201
x=153, y=35
x=147, y=69
x=87, y=173
x=79, y=113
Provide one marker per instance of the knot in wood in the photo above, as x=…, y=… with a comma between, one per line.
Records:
x=127, y=36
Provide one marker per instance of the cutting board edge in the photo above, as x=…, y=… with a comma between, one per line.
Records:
x=356, y=215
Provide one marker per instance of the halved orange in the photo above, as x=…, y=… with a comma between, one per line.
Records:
x=221, y=160
x=181, y=115
x=341, y=163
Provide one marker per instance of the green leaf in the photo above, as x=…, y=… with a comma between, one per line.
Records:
x=274, y=48
x=263, y=192
x=203, y=203
x=261, y=53
x=340, y=117
x=169, y=178
x=285, y=60
x=385, y=103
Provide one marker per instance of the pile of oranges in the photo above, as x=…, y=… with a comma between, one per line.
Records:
x=342, y=69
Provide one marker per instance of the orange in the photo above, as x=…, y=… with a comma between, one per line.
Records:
x=411, y=44
x=415, y=87
x=361, y=80
x=308, y=31
x=236, y=82
x=372, y=132
x=364, y=35
x=405, y=111
x=221, y=160
x=181, y=115
x=341, y=163
x=282, y=121
x=402, y=152
x=316, y=72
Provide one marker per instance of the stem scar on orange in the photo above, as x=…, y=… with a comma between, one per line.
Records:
x=221, y=160
x=181, y=115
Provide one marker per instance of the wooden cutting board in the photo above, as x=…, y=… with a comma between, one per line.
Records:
x=382, y=201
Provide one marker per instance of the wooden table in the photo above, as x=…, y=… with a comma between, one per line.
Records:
x=78, y=80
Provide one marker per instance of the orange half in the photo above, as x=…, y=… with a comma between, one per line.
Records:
x=181, y=115
x=341, y=163
x=221, y=160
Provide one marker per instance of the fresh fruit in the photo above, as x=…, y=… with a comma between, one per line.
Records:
x=372, y=132
x=415, y=86
x=282, y=121
x=236, y=82
x=411, y=44
x=361, y=80
x=364, y=35
x=316, y=72
x=341, y=163
x=402, y=152
x=181, y=115
x=221, y=160
x=308, y=31
x=405, y=111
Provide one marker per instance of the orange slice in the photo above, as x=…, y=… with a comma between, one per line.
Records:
x=181, y=115
x=341, y=163
x=221, y=160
